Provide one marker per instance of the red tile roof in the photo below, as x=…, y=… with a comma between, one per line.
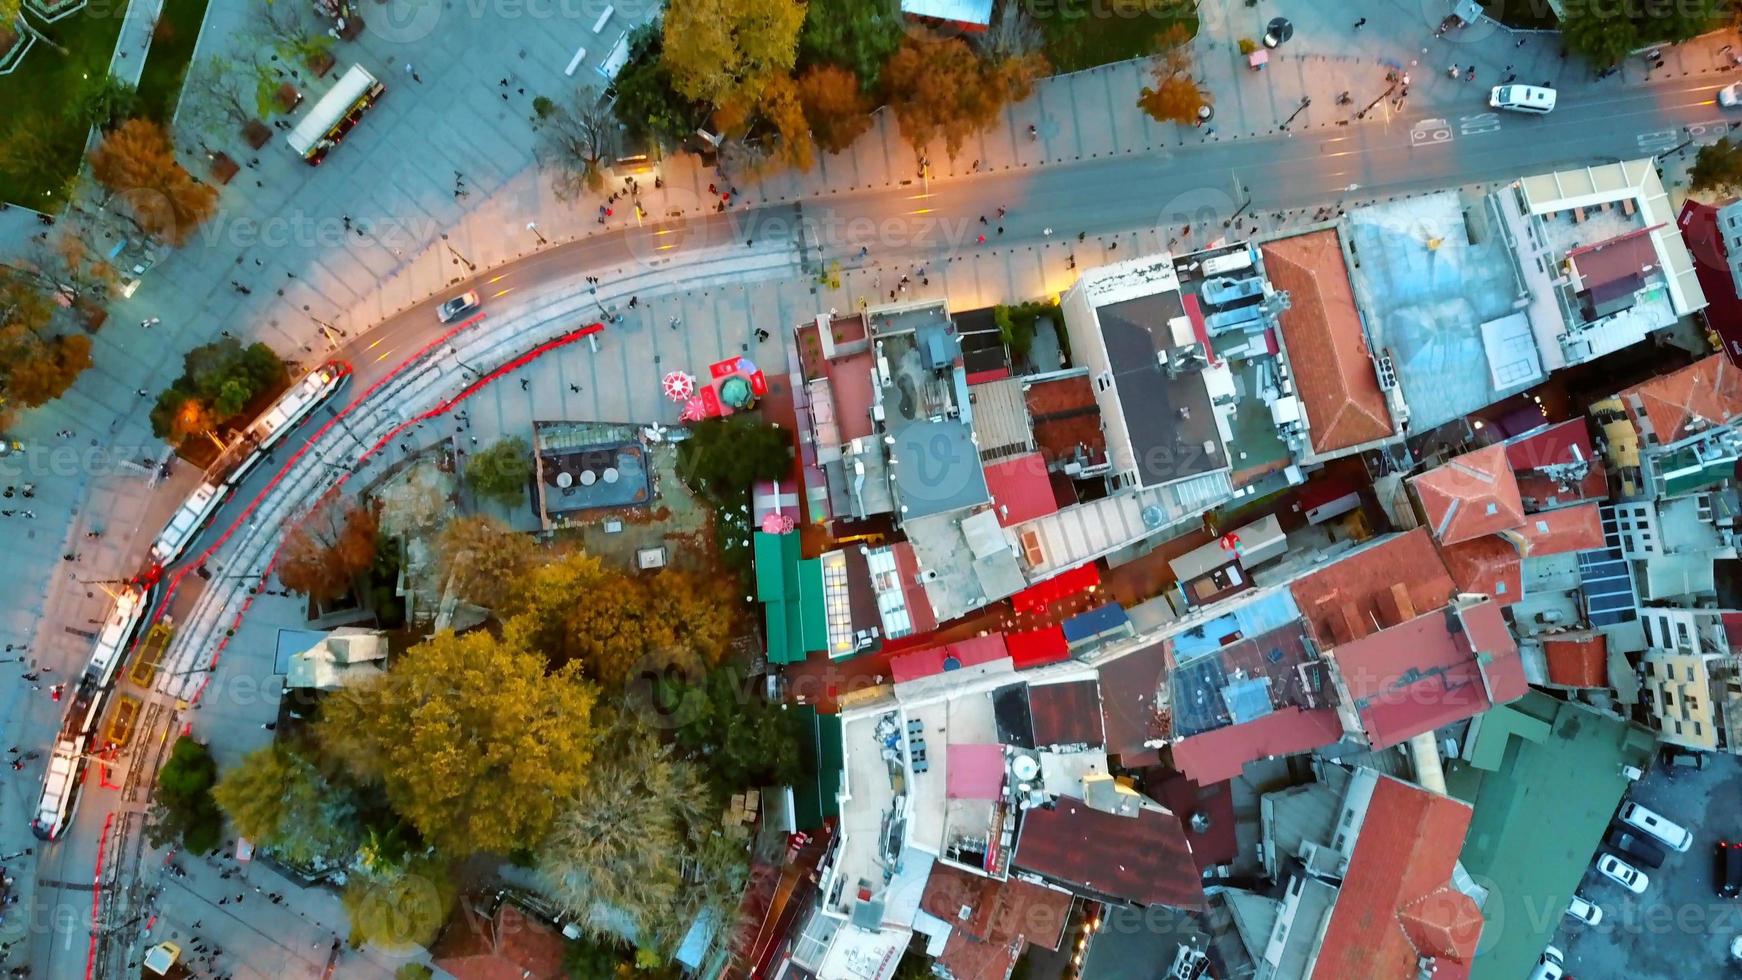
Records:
x=1473, y=495
x=1432, y=670
x=1066, y=418
x=1067, y=713
x=1615, y=259
x=514, y=946
x=1326, y=346
x=997, y=910
x=1556, y=532
x=1144, y=859
x=1342, y=600
x=1219, y=755
x=950, y=656
x=1577, y=659
x=1671, y=405
x=1021, y=489
x=1131, y=688
x=1397, y=903
x=1487, y=566
x=1217, y=842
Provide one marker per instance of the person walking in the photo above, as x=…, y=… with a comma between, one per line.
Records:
x=1360, y=23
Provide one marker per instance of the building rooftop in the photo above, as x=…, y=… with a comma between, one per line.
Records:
x=1398, y=902
x=1488, y=565
x=1672, y=407
x=936, y=467
x=1544, y=777
x=1067, y=713
x=1556, y=465
x=1001, y=424
x=1713, y=265
x=1021, y=488
x=1067, y=419
x=1222, y=753
x=1242, y=665
x=1170, y=421
x=1328, y=347
x=1556, y=532
x=1579, y=659
x=1376, y=586
x=511, y=945
x=1472, y=495
x=1437, y=668
x=1144, y=859
x=1134, y=708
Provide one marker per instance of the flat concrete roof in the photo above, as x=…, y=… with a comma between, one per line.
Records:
x=937, y=468
x=1170, y=420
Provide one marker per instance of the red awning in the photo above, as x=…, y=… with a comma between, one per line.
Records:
x=1037, y=647
x=1037, y=597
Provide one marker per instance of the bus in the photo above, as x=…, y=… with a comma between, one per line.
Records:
x=335, y=114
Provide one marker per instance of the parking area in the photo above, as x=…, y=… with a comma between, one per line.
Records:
x=1679, y=927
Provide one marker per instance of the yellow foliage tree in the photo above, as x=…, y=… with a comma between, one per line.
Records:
x=481, y=557
x=726, y=51
x=475, y=742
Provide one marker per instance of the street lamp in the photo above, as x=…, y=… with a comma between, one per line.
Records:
x=454, y=352
x=1305, y=101
x=458, y=258
x=532, y=226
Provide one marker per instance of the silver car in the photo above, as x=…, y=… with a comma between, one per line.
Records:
x=458, y=307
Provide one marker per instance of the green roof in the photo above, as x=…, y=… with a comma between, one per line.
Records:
x=791, y=591
x=1544, y=779
x=816, y=796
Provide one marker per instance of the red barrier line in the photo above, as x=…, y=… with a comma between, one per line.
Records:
x=441, y=408
x=97, y=896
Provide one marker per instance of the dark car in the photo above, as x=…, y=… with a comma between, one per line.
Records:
x=1635, y=847
x=1727, y=869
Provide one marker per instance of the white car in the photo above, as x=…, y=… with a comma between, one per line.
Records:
x=459, y=306
x=1730, y=96
x=1550, y=967
x=1586, y=912
x=1623, y=874
x=1522, y=98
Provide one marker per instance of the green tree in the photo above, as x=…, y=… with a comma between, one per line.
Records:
x=628, y=846
x=1717, y=167
x=475, y=742
x=223, y=378
x=725, y=456
x=725, y=52
x=105, y=102
x=859, y=36
x=483, y=559
x=744, y=741
x=647, y=101
x=36, y=364
x=402, y=909
x=501, y=471
x=281, y=800
x=945, y=91
x=183, y=809
x=838, y=113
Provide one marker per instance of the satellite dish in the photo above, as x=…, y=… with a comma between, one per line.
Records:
x=1153, y=516
x=1025, y=767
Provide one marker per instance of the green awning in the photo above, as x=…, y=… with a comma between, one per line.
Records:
x=815, y=797
x=813, y=610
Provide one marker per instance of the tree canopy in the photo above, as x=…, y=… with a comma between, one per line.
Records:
x=856, y=35
x=1175, y=95
x=577, y=140
x=279, y=799
x=218, y=382
x=1607, y=33
x=401, y=909
x=501, y=471
x=725, y=52
x=724, y=456
x=838, y=113
x=324, y=554
x=647, y=102
x=743, y=739
x=36, y=364
x=614, y=626
x=484, y=559
x=944, y=91
x=183, y=808
x=1717, y=167
x=475, y=741
x=136, y=162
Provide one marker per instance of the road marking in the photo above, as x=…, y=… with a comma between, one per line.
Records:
x=1484, y=122
x=1427, y=132
x=1709, y=132
x=1662, y=139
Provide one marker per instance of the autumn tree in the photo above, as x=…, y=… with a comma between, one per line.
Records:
x=501, y=471
x=476, y=743
x=136, y=163
x=614, y=626
x=945, y=91
x=280, y=799
x=838, y=113
x=577, y=140
x=1176, y=96
x=638, y=843
x=725, y=52
x=402, y=907
x=1717, y=167
x=36, y=364
x=324, y=554
x=782, y=108
x=482, y=559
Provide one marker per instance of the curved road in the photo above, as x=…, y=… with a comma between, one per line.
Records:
x=1425, y=148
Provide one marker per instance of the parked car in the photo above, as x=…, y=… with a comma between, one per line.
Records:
x=1635, y=847
x=1657, y=826
x=1683, y=759
x=1587, y=912
x=1727, y=869
x=459, y=306
x=1522, y=98
x=1623, y=874
x=1550, y=966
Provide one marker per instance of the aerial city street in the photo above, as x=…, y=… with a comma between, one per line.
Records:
x=871, y=489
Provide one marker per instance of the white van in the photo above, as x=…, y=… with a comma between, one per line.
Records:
x=1522, y=98
x=1219, y=265
x=1647, y=822
x=1551, y=966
